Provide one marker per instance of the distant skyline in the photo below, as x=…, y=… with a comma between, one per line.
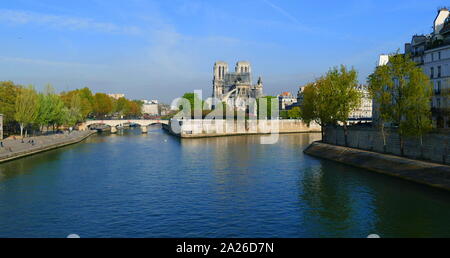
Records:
x=162, y=49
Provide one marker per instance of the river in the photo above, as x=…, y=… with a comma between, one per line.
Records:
x=156, y=185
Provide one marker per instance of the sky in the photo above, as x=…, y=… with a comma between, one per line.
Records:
x=161, y=49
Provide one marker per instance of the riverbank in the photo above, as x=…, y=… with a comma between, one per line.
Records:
x=431, y=174
x=14, y=148
x=206, y=128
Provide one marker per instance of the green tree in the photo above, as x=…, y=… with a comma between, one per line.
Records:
x=195, y=104
x=134, y=108
x=346, y=97
x=87, y=102
x=294, y=113
x=73, y=114
x=269, y=110
x=26, y=107
x=121, y=106
x=8, y=96
x=103, y=105
x=192, y=98
x=378, y=90
x=318, y=104
x=404, y=92
x=50, y=111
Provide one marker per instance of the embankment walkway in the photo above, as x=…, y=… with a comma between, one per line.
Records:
x=431, y=174
x=15, y=148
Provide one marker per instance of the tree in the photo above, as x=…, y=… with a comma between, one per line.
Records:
x=102, y=104
x=73, y=114
x=134, y=108
x=50, y=111
x=346, y=97
x=195, y=104
x=378, y=90
x=121, y=106
x=26, y=107
x=87, y=102
x=404, y=92
x=8, y=96
x=192, y=98
x=269, y=110
x=294, y=113
x=318, y=104
x=331, y=99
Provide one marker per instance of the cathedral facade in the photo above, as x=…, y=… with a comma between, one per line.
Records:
x=235, y=88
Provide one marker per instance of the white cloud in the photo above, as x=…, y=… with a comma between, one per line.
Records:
x=64, y=22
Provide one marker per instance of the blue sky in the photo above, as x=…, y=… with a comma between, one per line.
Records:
x=161, y=49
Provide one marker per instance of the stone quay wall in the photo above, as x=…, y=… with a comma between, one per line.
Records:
x=435, y=145
x=431, y=174
x=197, y=128
x=14, y=148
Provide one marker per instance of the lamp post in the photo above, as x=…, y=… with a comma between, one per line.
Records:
x=1, y=127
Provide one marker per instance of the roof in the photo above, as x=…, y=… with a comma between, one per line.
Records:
x=286, y=94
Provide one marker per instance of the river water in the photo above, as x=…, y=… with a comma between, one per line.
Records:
x=156, y=185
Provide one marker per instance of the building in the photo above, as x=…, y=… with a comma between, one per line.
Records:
x=117, y=96
x=150, y=107
x=432, y=53
x=286, y=100
x=364, y=112
x=235, y=88
x=300, y=95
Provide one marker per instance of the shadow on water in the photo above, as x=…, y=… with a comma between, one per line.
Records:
x=346, y=201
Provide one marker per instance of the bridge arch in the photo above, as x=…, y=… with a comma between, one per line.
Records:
x=114, y=123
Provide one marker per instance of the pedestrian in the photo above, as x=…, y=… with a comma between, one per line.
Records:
x=1, y=144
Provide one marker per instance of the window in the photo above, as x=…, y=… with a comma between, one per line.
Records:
x=439, y=72
x=437, y=88
x=432, y=73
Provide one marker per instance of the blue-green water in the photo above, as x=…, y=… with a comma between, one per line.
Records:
x=155, y=185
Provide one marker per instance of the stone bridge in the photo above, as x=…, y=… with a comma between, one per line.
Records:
x=114, y=123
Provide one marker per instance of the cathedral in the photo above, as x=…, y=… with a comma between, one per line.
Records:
x=235, y=88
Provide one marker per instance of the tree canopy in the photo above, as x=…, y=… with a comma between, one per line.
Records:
x=402, y=93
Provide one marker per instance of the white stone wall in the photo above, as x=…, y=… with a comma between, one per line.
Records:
x=208, y=127
x=150, y=109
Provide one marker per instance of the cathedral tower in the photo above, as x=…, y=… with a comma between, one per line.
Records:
x=220, y=69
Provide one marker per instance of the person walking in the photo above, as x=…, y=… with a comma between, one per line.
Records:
x=1, y=144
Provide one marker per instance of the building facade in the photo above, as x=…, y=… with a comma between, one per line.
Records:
x=432, y=53
x=286, y=101
x=150, y=107
x=364, y=112
x=235, y=88
x=116, y=96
